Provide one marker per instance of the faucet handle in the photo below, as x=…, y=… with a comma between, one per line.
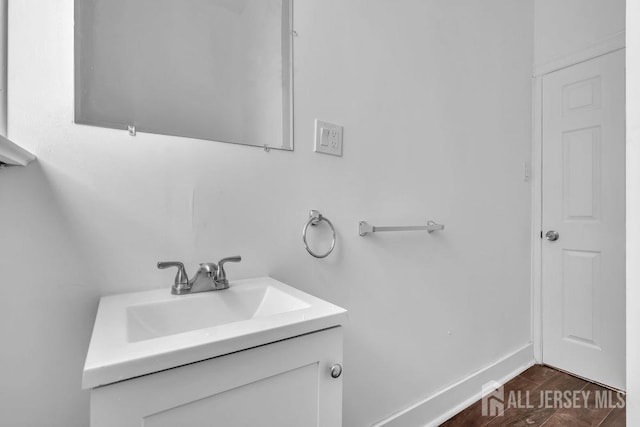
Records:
x=181, y=279
x=221, y=275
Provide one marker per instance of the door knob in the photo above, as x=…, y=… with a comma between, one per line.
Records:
x=552, y=235
x=336, y=370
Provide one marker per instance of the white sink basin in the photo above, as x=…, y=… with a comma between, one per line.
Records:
x=205, y=310
x=139, y=333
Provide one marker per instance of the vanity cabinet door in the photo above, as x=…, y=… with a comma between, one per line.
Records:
x=287, y=383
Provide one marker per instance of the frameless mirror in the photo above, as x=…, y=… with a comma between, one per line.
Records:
x=211, y=69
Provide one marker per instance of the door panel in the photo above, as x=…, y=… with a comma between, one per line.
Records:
x=581, y=174
x=583, y=198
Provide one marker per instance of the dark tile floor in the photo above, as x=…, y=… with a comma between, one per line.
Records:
x=542, y=396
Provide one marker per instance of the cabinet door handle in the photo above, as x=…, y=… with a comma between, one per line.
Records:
x=336, y=370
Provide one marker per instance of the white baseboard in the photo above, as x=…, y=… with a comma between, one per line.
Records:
x=442, y=405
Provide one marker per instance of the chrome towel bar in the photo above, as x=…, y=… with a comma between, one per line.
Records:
x=365, y=228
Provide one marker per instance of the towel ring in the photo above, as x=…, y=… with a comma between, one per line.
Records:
x=314, y=218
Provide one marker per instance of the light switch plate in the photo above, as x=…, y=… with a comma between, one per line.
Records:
x=328, y=138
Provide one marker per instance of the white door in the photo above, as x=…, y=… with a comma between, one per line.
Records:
x=583, y=206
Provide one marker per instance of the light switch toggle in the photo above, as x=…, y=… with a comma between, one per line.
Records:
x=324, y=137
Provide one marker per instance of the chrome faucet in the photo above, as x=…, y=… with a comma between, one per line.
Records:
x=209, y=277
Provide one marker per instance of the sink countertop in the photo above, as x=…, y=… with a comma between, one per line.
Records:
x=116, y=353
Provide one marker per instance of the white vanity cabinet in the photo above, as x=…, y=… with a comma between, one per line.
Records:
x=257, y=354
x=287, y=383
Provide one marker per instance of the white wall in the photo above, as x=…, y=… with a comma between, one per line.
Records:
x=435, y=100
x=568, y=27
x=633, y=212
